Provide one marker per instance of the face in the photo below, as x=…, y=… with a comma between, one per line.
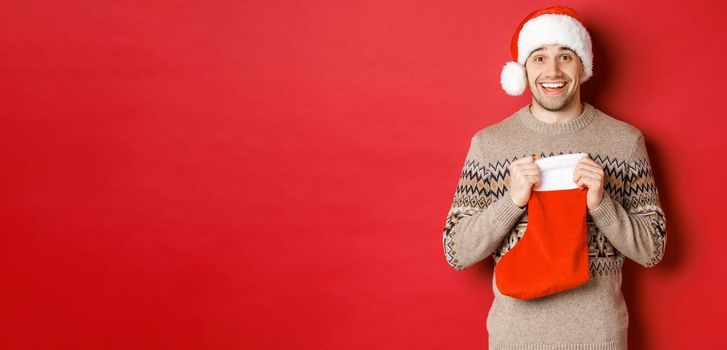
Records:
x=560, y=70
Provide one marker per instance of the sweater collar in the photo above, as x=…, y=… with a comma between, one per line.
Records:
x=572, y=125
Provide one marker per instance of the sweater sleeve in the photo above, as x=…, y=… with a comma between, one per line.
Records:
x=637, y=228
x=477, y=220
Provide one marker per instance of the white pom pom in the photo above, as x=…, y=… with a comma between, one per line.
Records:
x=513, y=78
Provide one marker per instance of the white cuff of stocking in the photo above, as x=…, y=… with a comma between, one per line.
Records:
x=556, y=172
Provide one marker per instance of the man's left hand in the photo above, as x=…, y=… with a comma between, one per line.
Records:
x=590, y=174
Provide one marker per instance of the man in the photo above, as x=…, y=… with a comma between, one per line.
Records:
x=552, y=55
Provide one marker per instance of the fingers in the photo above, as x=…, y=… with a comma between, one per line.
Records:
x=587, y=162
x=524, y=171
x=587, y=166
x=588, y=180
x=588, y=173
x=597, y=173
x=593, y=166
x=525, y=166
x=527, y=169
x=523, y=160
x=532, y=179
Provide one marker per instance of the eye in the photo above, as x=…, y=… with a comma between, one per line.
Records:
x=565, y=57
x=538, y=59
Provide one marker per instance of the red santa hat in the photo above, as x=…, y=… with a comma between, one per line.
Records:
x=550, y=25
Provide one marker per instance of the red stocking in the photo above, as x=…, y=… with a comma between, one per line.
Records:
x=552, y=256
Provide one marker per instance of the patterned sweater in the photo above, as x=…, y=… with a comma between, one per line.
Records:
x=629, y=222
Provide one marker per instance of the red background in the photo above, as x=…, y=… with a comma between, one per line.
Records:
x=259, y=174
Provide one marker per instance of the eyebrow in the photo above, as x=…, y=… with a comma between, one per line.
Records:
x=561, y=48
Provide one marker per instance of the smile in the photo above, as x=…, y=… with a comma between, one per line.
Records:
x=553, y=88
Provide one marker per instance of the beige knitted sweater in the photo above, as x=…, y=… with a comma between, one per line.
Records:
x=483, y=221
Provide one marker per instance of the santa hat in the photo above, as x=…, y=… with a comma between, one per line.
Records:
x=550, y=25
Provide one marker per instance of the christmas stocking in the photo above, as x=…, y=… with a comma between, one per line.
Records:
x=552, y=256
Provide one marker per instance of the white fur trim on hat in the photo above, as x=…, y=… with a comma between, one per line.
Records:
x=513, y=78
x=556, y=29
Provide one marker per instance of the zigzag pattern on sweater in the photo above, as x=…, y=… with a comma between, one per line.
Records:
x=481, y=184
x=642, y=198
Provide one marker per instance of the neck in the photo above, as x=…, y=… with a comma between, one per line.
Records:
x=569, y=112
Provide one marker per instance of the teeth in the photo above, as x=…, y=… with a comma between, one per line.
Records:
x=553, y=85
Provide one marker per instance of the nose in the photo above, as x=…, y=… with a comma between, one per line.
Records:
x=552, y=68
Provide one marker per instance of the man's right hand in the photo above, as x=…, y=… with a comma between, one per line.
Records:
x=524, y=174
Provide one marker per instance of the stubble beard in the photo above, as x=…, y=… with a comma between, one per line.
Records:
x=554, y=105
